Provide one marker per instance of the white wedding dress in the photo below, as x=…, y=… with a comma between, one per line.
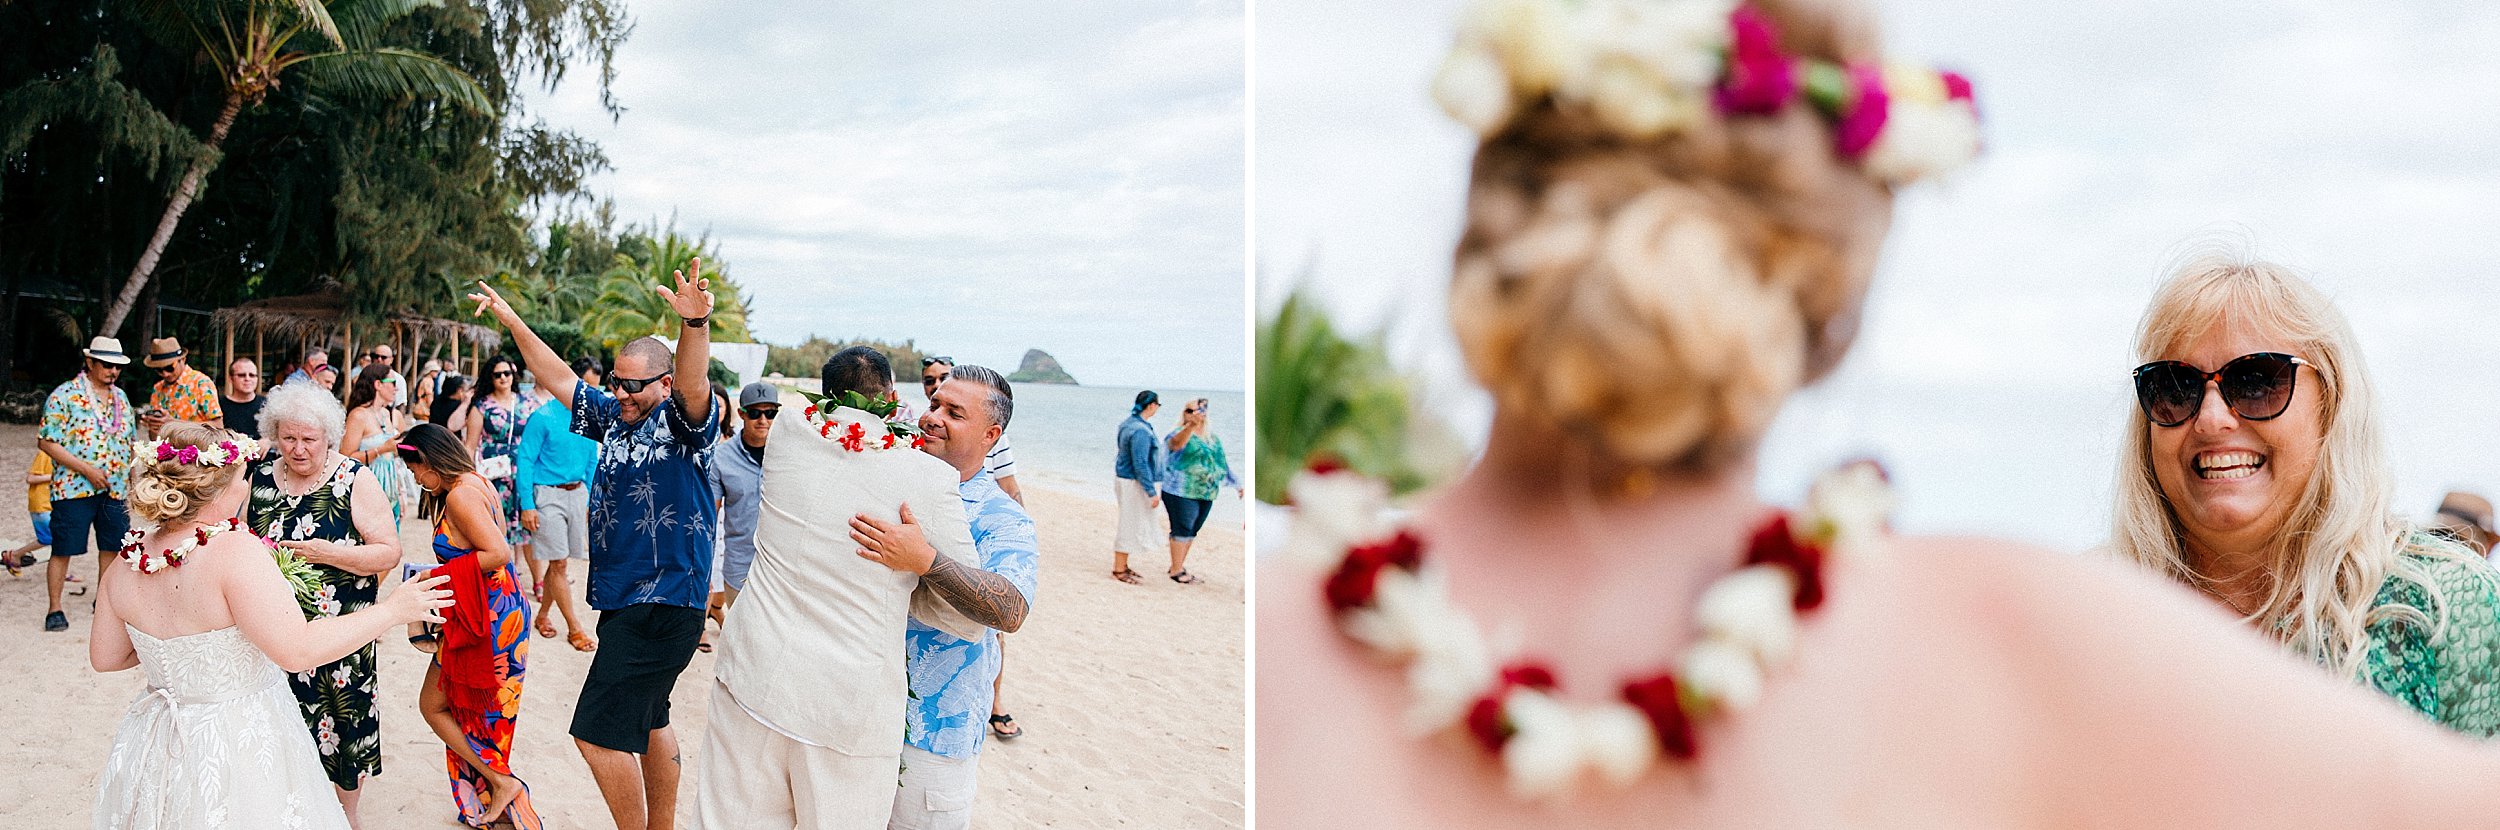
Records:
x=217, y=741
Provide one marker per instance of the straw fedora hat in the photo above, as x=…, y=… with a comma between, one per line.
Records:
x=163, y=352
x=107, y=349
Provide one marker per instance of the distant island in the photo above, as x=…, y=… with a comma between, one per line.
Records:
x=1040, y=367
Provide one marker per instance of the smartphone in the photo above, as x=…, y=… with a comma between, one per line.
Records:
x=411, y=571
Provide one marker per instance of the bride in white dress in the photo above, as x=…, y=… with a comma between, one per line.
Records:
x=216, y=740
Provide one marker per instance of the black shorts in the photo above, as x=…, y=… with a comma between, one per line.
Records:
x=642, y=649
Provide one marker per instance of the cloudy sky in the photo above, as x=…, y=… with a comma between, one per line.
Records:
x=2354, y=142
x=981, y=177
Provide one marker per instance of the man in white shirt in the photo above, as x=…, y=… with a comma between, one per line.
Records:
x=807, y=712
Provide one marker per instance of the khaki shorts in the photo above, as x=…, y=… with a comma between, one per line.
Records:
x=936, y=793
x=563, y=524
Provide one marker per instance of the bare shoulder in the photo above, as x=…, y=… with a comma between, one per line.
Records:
x=1323, y=755
x=2138, y=700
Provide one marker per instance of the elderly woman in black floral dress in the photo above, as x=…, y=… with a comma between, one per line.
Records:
x=333, y=512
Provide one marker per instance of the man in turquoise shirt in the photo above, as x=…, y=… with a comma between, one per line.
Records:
x=551, y=477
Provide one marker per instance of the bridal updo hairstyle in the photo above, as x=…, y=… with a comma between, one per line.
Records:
x=1661, y=297
x=169, y=492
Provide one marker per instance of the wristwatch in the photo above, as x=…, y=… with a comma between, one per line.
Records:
x=699, y=322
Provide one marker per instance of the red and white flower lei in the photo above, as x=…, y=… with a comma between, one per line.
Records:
x=1387, y=596
x=135, y=554
x=854, y=437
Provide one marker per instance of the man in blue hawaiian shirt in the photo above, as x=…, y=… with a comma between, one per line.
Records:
x=651, y=520
x=951, y=677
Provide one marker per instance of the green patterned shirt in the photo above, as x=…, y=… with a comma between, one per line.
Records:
x=2453, y=680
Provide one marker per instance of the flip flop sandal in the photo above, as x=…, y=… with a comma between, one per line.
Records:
x=1004, y=726
x=1184, y=577
x=1128, y=576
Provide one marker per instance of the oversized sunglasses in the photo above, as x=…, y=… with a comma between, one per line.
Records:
x=2257, y=387
x=766, y=414
x=634, y=385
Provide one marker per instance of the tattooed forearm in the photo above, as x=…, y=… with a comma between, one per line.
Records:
x=989, y=599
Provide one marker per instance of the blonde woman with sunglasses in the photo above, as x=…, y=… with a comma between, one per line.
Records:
x=2256, y=472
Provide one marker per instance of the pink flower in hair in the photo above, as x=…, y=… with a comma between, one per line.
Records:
x=1870, y=107
x=1957, y=88
x=188, y=455
x=164, y=451
x=1759, y=79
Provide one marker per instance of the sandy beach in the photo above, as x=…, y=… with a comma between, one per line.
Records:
x=1131, y=696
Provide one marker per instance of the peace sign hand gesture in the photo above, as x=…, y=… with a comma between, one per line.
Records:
x=488, y=299
x=691, y=300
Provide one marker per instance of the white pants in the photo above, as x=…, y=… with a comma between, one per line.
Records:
x=1139, y=520
x=936, y=793
x=754, y=778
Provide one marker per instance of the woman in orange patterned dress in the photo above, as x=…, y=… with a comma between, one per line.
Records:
x=472, y=691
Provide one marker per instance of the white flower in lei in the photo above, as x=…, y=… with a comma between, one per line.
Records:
x=1391, y=599
x=1334, y=510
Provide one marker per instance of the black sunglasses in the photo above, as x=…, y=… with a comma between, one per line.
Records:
x=504, y=374
x=2257, y=387
x=633, y=386
x=766, y=414
x=927, y=362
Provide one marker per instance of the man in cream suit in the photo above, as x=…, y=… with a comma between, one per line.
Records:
x=807, y=717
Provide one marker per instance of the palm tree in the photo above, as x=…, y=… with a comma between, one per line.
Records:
x=627, y=308
x=250, y=43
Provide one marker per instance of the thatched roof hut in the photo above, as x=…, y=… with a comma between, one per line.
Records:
x=320, y=319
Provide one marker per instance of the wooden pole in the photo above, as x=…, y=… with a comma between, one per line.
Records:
x=226, y=358
x=258, y=340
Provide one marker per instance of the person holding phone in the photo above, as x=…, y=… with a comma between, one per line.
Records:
x=1197, y=472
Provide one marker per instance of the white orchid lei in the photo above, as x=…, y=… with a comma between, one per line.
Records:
x=1389, y=599
x=1651, y=68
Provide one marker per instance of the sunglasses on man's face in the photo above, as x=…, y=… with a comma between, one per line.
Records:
x=2257, y=387
x=927, y=362
x=633, y=386
x=764, y=413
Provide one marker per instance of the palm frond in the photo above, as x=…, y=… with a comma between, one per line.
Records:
x=312, y=14
x=1323, y=395
x=123, y=120
x=396, y=74
x=361, y=21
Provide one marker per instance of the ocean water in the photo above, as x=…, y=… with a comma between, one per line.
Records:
x=1064, y=437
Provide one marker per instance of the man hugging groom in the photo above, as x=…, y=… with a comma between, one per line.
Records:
x=869, y=538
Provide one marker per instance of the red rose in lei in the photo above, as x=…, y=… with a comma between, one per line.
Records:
x=1485, y=720
x=1352, y=585
x=1657, y=700
x=1774, y=544
x=1759, y=79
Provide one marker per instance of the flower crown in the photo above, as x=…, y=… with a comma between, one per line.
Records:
x=233, y=451
x=1651, y=68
